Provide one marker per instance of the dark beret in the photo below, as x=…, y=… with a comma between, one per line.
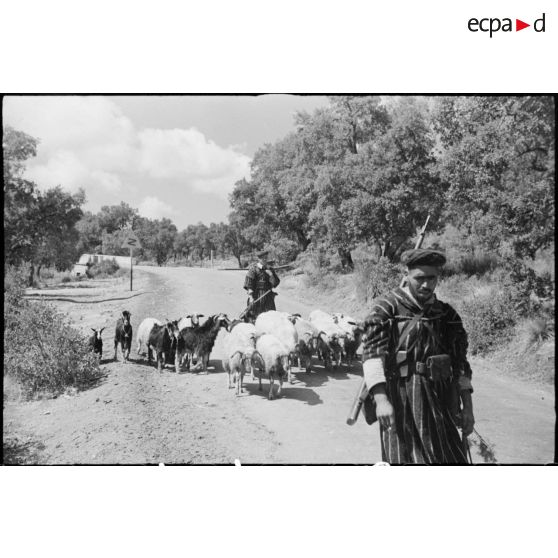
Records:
x=423, y=256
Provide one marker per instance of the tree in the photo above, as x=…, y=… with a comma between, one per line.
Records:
x=90, y=234
x=382, y=193
x=157, y=238
x=59, y=212
x=113, y=218
x=21, y=208
x=498, y=161
x=39, y=228
x=236, y=241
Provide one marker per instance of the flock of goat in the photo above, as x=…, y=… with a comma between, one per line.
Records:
x=272, y=345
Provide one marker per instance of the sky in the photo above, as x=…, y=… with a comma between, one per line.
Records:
x=168, y=156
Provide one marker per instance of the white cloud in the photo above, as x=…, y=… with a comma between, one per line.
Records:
x=88, y=142
x=187, y=155
x=66, y=169
x=153, y=208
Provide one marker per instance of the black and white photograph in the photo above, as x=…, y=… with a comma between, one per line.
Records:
x=279, y=279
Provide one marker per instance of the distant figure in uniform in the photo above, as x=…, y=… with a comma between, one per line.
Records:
x=261, y=277
x=415, y=366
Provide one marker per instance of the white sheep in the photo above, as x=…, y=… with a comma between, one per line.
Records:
x=281, y=325
x=308, y=335
x=239, y=346
x=354, y=334
x=273, y=356
x=335, y=334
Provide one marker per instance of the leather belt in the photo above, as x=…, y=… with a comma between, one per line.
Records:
x=413, y=368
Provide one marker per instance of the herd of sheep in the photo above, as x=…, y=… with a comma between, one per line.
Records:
x=275, y=343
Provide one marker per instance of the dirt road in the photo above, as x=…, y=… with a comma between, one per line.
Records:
x=138, y=416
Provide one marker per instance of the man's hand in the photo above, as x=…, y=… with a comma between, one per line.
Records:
x=384, y=409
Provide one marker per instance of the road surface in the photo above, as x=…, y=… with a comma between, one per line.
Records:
x=137, y=415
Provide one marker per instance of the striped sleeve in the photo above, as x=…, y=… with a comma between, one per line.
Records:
x=377, y=329
x=458, y=349
x=250, y=280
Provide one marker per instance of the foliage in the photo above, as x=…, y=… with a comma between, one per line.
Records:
x=282, y=250
x=39, y=227
x=43, y=354
x=471, y=264
x=373, y=279
x=497, y=160
x=105, y=268
x=489, y=320
x=20, y=197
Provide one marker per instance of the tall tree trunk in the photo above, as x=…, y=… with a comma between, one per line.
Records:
x=39, y=272
x=238, y=259
x=31, y=274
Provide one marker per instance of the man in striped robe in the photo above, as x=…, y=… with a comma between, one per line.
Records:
x=417, y=398
x=261, y=278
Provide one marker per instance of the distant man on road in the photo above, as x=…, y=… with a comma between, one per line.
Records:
x=261, y=277
x=415, y=366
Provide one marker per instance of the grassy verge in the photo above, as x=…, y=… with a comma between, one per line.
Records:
x=43, y=354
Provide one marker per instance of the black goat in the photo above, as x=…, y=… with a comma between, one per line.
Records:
x=123, y=335
x=162, y=340
x=96, y=342
x=198, y=341
x=352, y=345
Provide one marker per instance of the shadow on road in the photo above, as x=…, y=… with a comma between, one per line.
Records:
x=304, y=394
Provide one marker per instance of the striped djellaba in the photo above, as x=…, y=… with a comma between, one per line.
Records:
x=260, y=282
x=425, y=428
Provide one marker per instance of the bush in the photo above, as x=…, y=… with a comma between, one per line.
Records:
x=373, y=279
x=15, y=281
x=106, y=268
x=471, y=264
x=43, y=354
x=47, y=273
x=489, y=320
x=66, y=279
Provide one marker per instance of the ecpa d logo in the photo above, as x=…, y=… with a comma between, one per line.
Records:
x=492, y=25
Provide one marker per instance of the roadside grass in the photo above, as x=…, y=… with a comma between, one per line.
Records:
x=43, y=354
